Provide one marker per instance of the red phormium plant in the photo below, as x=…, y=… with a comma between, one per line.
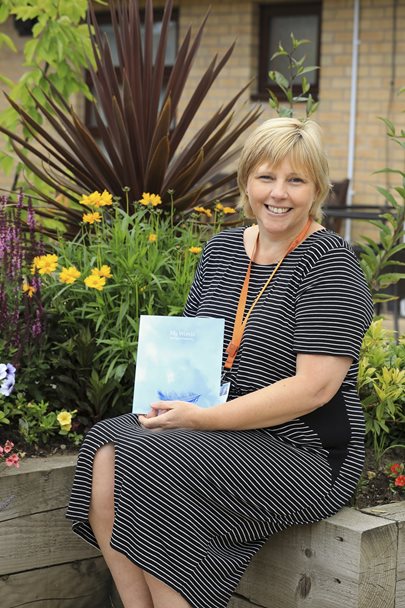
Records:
x=141, y=143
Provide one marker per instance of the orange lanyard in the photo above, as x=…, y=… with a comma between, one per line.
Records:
x=240, y=322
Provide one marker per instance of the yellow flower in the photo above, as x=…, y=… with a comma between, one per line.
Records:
x=28, y=289
x=104, y=271
x=203, y=210
x=229, y=210
x=95, y=282
x=155, y=200
x=219, y=207
x=195, y=249
x=90, y=218
x=35, y=262
x=152, y=238
x=91, y=200
x=45, y=264
x=69, y=275
x=150, y=199
x=105, y=199
x=65, y=420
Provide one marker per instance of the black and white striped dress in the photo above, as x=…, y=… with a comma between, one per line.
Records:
x=193, y=507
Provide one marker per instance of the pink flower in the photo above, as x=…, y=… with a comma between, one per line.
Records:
x=8, y=446
x=13, y=461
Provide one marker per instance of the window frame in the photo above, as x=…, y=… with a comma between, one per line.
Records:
x=266, y=12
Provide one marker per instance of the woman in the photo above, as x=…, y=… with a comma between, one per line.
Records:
x=195, y=501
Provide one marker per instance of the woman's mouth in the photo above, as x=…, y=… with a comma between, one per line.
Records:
x=278, y=210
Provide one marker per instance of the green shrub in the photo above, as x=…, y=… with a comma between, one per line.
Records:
x=381, y=385
x=95, y=287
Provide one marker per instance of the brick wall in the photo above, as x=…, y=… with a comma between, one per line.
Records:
x=381, y=72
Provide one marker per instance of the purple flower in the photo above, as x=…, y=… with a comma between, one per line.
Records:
x=30, y=216
x=7, y=378
x=21, y=319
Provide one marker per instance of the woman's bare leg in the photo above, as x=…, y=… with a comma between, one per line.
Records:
x=164, y=596
x=129, y=579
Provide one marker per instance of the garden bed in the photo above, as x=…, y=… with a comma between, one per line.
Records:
x=354, y=559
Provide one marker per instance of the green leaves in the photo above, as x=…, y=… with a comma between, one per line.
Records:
x=92, y=335
x=381, y=380
x=6, y=40
x=381, y=385
x=59, y=50
x=379, y=258
x=296, y=71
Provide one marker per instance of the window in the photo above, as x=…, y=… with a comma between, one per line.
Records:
x=104, y=22
x=277, y=21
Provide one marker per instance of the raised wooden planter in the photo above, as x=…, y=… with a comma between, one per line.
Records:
x=42, y=563
x=351, y=560
x=355, y=559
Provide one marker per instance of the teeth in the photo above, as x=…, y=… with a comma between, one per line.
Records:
x=278, y=209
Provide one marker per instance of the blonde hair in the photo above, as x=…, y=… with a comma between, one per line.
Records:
x=278, y=138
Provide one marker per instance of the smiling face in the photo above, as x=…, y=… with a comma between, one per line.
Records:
x=283, y=138
x=280, y=198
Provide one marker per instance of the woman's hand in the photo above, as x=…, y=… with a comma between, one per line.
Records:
x=171, y=415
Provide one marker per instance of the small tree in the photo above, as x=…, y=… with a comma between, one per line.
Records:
x=295, y=70
x=55, y=55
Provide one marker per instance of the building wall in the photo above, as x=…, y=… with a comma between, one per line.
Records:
x=381, y=72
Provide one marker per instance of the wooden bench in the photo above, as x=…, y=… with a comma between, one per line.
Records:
x=351, y=560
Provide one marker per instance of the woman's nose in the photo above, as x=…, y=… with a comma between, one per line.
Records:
x=278, y=189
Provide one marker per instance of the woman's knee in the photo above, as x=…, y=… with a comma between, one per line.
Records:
x=102, y=495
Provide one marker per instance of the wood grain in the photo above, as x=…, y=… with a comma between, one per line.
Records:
x=82, y=584
x=38, y=485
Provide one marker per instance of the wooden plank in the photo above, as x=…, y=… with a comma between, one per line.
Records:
x=347, y=560
x=395, y=512
x=38, y=540
x=38, y=485
x=81, y=584
x=239, y=602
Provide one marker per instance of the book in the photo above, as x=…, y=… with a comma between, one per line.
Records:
x=178, y=358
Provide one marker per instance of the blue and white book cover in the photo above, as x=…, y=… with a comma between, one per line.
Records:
x=178, y=358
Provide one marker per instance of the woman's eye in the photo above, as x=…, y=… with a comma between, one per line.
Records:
x=297, y=180
x=266, y=177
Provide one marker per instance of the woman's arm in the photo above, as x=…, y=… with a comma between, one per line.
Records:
x=316, y=381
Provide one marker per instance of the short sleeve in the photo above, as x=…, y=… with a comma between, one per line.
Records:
x=196, y=289
x=333, y=306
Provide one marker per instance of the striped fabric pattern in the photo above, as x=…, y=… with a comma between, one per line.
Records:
x=193, y=507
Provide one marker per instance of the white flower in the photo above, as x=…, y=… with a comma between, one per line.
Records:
x=7, y=378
